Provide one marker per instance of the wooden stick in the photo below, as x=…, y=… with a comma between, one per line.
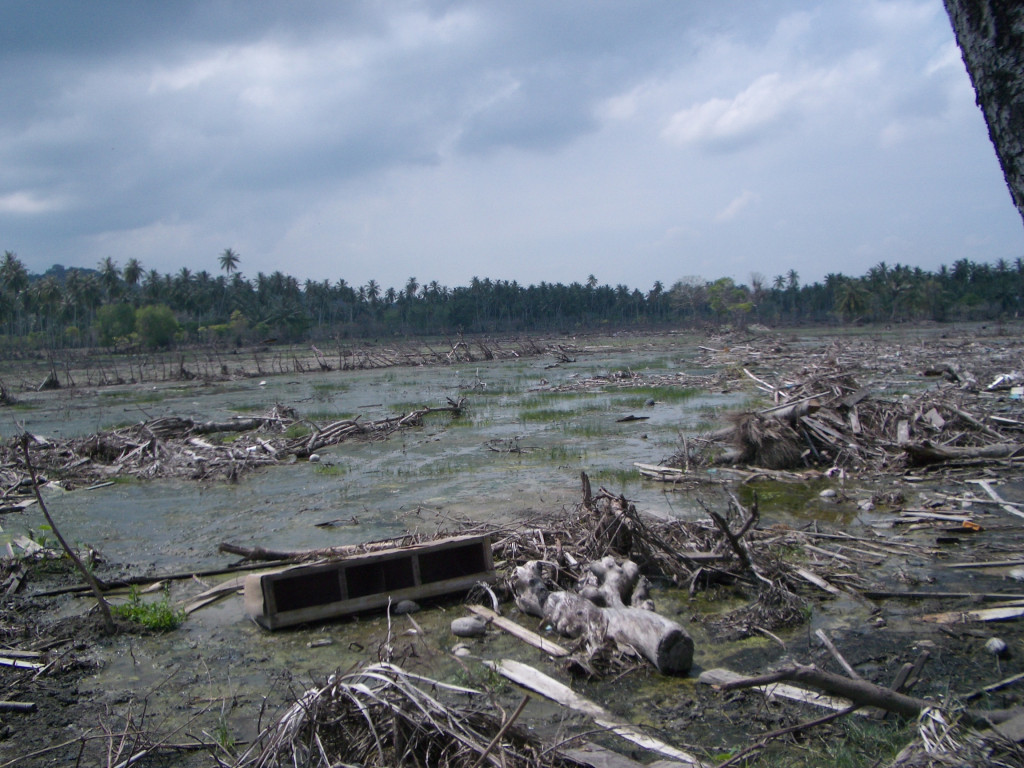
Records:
x=984, y=596
x=528, y=677
x=502, y=731
x=91, y=581
x=995, y=686
x=987, y=487
x=524, y=634
x=820, y=634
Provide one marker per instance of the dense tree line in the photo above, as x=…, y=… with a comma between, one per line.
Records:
x=119, y=306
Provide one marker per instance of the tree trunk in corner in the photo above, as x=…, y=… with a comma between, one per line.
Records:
x=991, y=38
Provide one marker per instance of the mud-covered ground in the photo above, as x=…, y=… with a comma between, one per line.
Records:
x=194, y=696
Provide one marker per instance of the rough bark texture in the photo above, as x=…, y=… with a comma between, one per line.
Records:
x=991, y=38
x=600, y=612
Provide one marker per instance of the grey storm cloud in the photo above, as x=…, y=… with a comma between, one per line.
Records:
x=530, y=140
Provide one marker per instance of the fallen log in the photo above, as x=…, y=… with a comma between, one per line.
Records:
x=927, y=452
x=721, y=677
x=863, y=693
x=661, y=641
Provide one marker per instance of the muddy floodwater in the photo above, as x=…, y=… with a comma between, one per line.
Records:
x=520, y=447
x=529, y=429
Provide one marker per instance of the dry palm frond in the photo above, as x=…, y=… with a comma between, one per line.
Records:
x=943, y=740
x=382, y=715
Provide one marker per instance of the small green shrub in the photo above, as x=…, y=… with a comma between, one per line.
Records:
x=158, y=615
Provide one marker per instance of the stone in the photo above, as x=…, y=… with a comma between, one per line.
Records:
x=469, y=626
x=996, y=646
x=406, y=606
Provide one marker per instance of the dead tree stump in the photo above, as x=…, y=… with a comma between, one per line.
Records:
x=600, y=611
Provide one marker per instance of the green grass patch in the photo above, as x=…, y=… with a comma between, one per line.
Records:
x=614, y=479
x=157, y=615
x=326, y=387
x=861, y=742
x=298, y=429
x=592, y=427
x=249, y=408
x=562, y=454
x=544, y=415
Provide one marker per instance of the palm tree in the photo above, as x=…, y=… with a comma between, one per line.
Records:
x=411, y=287
x=229, y=261
x=373, y=291
x=110, y=277
x=132, y=272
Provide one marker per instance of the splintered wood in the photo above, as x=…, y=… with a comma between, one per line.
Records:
x=170, y=447
x=868, y=404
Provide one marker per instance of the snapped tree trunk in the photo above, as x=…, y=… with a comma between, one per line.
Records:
x=990, y=34
x=600, y=612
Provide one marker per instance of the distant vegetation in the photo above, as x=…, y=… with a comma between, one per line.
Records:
x=117, y=307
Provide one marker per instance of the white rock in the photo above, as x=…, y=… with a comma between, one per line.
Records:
x=1017, y=574
x=996, y=646
x=314, y=458
x=828, y=493
x=461, y=649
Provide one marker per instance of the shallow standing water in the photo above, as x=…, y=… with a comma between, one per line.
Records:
x=521, y=448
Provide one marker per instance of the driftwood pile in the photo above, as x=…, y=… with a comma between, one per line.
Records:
x=181, y=447
x=862, y=406
x=383, y=716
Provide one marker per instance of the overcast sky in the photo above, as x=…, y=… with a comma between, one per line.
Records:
x=528, y=140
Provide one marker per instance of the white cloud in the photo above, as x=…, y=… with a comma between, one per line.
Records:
x=28, y=204
x=768, y=101
x=738, y=204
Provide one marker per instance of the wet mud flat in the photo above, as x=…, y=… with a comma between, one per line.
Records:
x=196, y=694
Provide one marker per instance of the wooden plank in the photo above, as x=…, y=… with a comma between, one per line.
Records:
x=596, y=756
x=976, y=614
x=924, y=595
x=986, y=486
x=524, y=634
x=819, y=582
x=212, y=595
x=535, y=680
x=986, y=564
x=20, y=663
x=720, y=676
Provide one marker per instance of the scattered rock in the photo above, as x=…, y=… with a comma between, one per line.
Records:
x=406, y=606
x=314, y=458
x=997, y=647
x=461, y=649
x=469, y=626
